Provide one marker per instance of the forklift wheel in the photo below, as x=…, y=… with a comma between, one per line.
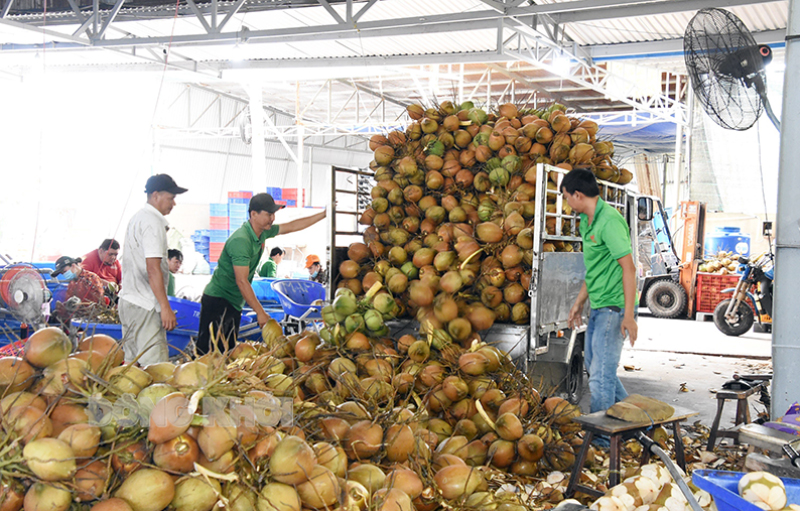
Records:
x=666, y=299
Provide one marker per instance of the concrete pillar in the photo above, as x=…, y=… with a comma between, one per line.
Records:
x=785, y=339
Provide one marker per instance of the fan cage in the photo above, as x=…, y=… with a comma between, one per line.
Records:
x=725, y=68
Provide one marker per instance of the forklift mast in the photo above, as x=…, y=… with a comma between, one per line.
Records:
x=693, y=217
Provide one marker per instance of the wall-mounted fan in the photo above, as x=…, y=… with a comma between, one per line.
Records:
x=726, y=67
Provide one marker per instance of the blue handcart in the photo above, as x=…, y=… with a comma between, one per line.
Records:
x=724, y=488
x=297, y=297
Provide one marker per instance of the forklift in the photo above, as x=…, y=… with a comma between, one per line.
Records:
x=668, y=290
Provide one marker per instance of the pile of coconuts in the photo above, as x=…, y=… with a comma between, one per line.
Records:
x=449, y=231
x=372, y=424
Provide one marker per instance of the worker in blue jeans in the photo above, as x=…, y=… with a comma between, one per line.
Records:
x=609, y=285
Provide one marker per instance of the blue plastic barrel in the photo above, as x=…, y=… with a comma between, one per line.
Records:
x=728, y=239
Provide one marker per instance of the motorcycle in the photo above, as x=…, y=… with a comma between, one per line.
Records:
x=734, y=316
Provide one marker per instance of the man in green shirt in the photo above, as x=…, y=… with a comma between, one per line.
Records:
x=175, y=261
x=270, y=267
x=230, y=287
x=610, y=287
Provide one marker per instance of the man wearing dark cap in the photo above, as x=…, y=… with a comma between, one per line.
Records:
x=144, y=309
x=83, y=285
x=230, y=287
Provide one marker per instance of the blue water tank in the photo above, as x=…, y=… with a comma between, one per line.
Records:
x=729, y=239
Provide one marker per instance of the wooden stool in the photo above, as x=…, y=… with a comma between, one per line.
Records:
x=601, y=424
x=742, y=413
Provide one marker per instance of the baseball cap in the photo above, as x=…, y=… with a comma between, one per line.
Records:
x=311, y=260
x=263, y=202
x=62, y=263
x=162, y=183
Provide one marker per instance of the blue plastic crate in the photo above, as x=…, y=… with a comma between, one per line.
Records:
x=202, y=232
x=238, y=201
x=275, y=192
x=201, y=246
x=218, y=209
x=724, y=487
x=218, y=236
x=240, y=207
x=10, y=331
x=212, y=266
x=291, y=203
x=177, y=339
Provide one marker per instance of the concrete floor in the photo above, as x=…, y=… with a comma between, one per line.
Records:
x=671, y=352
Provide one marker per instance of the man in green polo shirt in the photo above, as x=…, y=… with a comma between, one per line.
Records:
x=230, y=287
x=610, y=286
x=270, y=267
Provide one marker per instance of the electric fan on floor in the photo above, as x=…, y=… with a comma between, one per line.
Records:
x=24, y=293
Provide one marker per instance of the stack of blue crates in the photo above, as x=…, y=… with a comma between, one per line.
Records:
x=275, y=192
x=201, y=239
x=237, y=214
x=218, y=209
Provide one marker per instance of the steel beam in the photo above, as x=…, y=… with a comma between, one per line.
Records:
x=88, y=22
x=331, y=11
x=363, y=10
x=542, y=52
x=667, y=47
x=44, y=31
x=626, y=8
x=110, y=19
x=580, y=10
x=231, y=12
x=6, y=8
x=199, y=15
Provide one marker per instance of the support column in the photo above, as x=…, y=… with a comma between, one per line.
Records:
x=300, y=157
x=687, y=160
x=258, y=152
x=300, y=162
x=785, y=341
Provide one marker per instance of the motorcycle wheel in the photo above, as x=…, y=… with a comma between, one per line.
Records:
x=744, y=318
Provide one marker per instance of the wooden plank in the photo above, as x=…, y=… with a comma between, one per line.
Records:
x=599, y=422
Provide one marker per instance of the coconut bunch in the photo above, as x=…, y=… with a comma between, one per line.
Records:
x=449, y=231
x=289, y=423
x=722, y=263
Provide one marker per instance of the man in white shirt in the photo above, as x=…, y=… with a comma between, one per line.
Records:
x=144, y=309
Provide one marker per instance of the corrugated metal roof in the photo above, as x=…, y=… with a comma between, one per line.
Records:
x=281, y=60
x=758, y=18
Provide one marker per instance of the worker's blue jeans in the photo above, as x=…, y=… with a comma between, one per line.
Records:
x=602, y=351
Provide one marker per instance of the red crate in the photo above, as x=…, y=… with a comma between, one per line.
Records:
x=13, y=349
x=240, y=195
x=213, y=258
x=289, y=194
x=280, y=202
x=218, y=222
x=709, y=290
x=215, y=248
